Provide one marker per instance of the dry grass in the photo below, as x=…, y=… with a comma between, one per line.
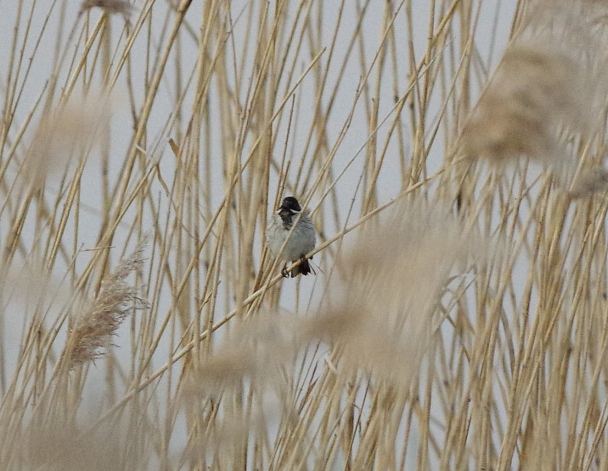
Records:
x=454, y=173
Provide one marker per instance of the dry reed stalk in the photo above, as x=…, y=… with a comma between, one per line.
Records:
x=497, y=350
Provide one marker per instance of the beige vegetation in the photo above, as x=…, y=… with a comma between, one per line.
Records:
x=459, y=316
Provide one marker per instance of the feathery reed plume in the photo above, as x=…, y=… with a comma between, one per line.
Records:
x=110, y=7
x=64, y=134
x=255, y=350
x=394, y=277
x=117, y=298
x=33, y=283
x=546, y=85
x=60, y=445
x=230, y=429
x=535, y=87
x=589, y=181
x=254, y=357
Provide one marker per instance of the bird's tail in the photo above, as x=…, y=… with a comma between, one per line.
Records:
x=303, y=268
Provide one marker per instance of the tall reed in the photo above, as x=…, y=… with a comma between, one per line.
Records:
x=450, y=155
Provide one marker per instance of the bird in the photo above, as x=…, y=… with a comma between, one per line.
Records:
x=301, y=241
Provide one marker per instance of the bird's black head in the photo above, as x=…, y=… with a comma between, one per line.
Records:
x=290, y=205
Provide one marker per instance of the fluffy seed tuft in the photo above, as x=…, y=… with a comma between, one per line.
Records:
x=110, y=7
x=546, y=90
x=93, y=331
x=589, y=181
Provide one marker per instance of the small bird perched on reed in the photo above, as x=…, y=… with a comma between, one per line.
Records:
x=301, y=241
